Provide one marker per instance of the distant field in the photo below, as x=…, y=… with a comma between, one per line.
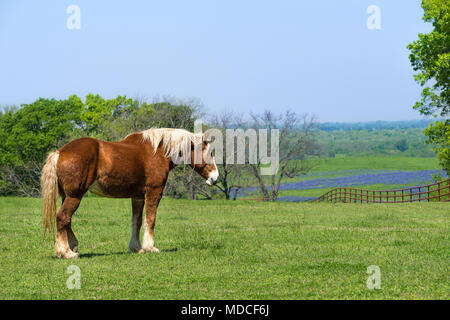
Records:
x=232, y=250
x=375, y=163
x=386, y=173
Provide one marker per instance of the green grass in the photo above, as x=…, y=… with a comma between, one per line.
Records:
x=232, y=250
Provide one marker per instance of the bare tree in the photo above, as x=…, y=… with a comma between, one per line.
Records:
x=295, y=145
x=232, y=177
x=183, y=181
x=24, y=180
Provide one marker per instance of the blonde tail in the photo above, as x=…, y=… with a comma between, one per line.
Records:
x=49, y=185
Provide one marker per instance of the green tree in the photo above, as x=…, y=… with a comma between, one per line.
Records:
x=401, y=145
x=101, y=116
x=430, y=56
x=439, y=135
x=28, y=134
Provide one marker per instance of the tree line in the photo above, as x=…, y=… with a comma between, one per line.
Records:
x=29, y=133
x=410, y=142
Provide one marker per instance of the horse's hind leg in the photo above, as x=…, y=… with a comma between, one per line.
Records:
x=73, y=242
x=136, y=223
x=65, y=239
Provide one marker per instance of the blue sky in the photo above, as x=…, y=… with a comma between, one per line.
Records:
x=314, y=57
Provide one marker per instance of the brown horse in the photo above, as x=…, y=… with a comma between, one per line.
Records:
x=136, y=167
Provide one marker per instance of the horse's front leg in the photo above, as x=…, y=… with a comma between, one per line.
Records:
x=136, y=222
x=152, y=199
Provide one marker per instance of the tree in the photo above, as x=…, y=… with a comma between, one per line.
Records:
x=112, y=119
x=439, y=135
x=402, y=145
x=28, y=134
x=184, y=182
x=232, y=177
x=33, y=130
x=430, y=56
x=295, y=145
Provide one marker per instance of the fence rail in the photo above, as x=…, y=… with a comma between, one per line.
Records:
x=439, y=191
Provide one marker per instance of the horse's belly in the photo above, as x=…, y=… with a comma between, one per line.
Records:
x=105, y=188
x=95, y=188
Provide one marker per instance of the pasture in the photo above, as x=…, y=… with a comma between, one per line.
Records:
x=232, y=250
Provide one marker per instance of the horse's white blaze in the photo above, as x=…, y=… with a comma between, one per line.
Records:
x=213, y=175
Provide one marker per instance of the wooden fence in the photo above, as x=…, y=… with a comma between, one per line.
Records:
x=439, y=191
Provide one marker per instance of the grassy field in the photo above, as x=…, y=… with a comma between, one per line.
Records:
x=232, y=250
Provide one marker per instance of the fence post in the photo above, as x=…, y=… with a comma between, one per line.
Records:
x=439, y=191
x=448, y=188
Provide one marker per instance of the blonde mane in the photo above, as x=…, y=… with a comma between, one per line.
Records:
x=173, y=140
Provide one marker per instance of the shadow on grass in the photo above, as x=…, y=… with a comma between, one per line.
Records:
x=91, y=255
x=170, y=250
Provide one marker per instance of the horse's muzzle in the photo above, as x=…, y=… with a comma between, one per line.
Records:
x=212, y=179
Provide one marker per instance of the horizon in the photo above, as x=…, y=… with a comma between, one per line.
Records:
x=318, y=58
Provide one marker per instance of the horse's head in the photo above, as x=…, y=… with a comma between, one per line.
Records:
x=206, y=166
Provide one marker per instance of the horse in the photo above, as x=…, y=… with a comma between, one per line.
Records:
x=135, y=167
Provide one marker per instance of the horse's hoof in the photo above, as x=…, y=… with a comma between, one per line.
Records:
x=134, y=250
x=67, y=255
x=149, y=249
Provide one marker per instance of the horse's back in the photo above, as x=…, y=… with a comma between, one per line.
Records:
x=81, y=145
